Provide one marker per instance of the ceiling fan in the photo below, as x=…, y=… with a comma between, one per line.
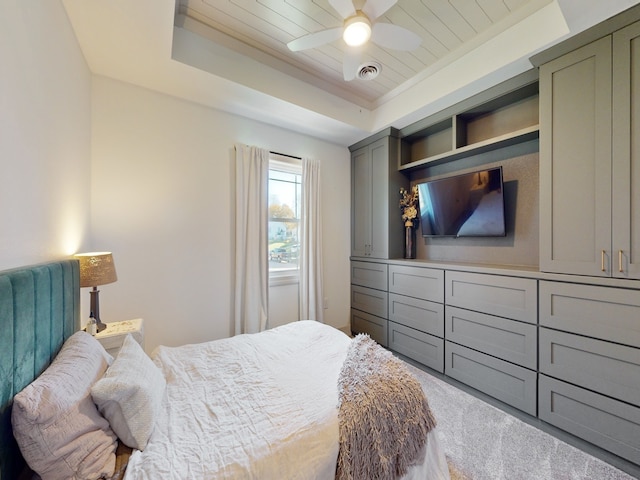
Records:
x=359, y=26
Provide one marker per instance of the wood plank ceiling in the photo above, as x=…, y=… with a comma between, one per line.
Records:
x=448, y=28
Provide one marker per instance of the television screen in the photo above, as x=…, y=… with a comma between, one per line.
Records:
x=467, y=205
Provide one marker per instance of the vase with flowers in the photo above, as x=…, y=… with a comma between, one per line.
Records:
x=409, y=208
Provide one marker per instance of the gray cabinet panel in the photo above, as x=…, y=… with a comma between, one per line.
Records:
x=608, y=423
x=419, y=346
x=626, y=154
x=375, y=182
x=375, y=327
x=507, y=339
x=360, y=202
x=424, y=283
x=380, y=199
x=601, y=312
x=575, y=161
x=601, y=366
x=369, y=300
x=419, y=314
x=369, y=274
x=509, y=297
x=505, y=381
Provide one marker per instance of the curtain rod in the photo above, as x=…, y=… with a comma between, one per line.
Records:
x=285, y=155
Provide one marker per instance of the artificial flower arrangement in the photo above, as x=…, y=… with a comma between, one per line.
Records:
x=409, y=206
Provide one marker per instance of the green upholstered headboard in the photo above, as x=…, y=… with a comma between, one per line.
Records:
x=39, y=310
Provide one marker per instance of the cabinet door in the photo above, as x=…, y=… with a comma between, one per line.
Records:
x=418, y=282
x=369, y=274
x=360, y=202
x=606, y=313
x=603, y=421
x=626, y=152
x=509, y=297
x=379, y=155
x=575, y=161
x=375, y=327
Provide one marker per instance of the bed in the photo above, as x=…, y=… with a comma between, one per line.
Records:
x=252, y=406
x=39, y=310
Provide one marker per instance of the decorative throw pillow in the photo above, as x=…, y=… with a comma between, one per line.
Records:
x=55, y=422
x=130, y=394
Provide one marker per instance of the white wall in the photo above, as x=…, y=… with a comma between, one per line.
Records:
x=45, y=133
x=162, y=203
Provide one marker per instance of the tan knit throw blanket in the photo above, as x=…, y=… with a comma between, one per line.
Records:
x=384, y=415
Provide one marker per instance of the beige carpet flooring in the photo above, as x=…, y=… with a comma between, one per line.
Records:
x=482, y=442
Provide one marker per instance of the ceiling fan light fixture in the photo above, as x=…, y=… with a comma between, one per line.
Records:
x=357, y=30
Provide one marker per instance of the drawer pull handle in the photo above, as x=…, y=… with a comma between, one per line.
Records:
x=620, y=269
x=602, y=260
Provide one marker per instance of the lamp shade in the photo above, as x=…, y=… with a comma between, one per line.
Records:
x=96, y=268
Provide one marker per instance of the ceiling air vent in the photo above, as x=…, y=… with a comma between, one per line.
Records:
x=369, y=71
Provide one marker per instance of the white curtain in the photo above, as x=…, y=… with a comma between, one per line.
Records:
x=311, y=294
x=251, y=265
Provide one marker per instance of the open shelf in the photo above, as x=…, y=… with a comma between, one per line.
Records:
x=511, y=138
x=500, y=121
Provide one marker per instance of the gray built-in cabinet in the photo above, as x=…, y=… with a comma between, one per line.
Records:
x=560, y=341
x=589, y=350
x=590, y=159
x=369, y=297
x=589, y=339
x=567, y=353
x=376, y=230
x=491, y=335
x=416, y=313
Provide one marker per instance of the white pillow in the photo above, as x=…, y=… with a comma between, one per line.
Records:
x=130, y=394
x=55, y=422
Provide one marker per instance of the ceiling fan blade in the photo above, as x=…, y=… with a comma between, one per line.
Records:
x=344, y=7
x=316, y=39
x=351, y=62
x=375, y=8
x=395, y=37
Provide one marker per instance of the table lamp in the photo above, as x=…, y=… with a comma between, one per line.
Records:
x=96, y=268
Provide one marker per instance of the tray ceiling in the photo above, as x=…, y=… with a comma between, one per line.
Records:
x=448, y=28
x=231, y=55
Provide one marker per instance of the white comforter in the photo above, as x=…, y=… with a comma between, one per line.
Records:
x=258, y=406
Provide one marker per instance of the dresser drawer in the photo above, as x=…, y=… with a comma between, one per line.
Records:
x=608, y=423
x=505, y=381
x=423, y=283
x=369, y=274
x=419, y=346
x=507, y=339
x=375, y=327
x=422, y=315
x=369, y=300
x=601, y=366
x=510, y=297
x=600, y=312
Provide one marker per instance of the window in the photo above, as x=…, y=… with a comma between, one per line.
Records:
x=285, y=195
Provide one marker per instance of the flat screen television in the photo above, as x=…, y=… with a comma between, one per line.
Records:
x=467, y=205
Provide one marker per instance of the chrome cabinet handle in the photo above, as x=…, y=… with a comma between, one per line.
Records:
x=602, y=260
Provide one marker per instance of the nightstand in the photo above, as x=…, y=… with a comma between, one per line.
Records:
x=113, y=336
